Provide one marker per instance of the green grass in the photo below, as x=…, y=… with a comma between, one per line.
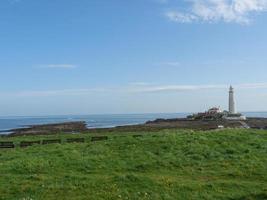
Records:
x=170, y=164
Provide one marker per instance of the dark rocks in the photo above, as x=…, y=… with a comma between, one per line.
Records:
x=257, y=123
x=46, y=129
x=157, y=125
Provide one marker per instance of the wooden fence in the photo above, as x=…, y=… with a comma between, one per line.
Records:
x=23, y=144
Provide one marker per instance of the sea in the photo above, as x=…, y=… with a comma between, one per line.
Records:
x=94, y=121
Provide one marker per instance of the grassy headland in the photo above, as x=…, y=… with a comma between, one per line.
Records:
x=169, y=164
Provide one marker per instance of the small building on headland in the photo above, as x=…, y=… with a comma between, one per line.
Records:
x=216, y=113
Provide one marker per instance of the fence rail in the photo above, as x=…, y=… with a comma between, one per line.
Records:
x=7, y=145
x=24, y=144
x=29, y=143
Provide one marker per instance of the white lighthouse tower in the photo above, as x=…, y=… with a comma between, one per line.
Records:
x=232, y=114
x=231, y=101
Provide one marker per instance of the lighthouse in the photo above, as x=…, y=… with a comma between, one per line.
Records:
x=216, y=113
x=232, y=114
x=231, y=101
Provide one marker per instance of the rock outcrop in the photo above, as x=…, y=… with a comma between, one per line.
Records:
x=46, y=129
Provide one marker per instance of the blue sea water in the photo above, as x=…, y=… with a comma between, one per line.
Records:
x=94, y=121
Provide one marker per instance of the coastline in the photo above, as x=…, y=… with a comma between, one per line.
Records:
x=153, y=125
x=93, y=120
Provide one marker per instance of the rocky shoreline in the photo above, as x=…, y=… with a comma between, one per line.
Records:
x=255, y=123
x=46, y=129
x=158, y=124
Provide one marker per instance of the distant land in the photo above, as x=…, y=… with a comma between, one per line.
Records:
x=154, y=125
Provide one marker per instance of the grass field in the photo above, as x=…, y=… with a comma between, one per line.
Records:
x=170, y=164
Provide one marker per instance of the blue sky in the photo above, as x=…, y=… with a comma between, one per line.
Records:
x=142, y=56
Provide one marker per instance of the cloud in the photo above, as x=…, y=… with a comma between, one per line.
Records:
x=229, y=11
x=170, y=64
x=181, y=17
x=252, y=86
x=179, y=88
x=59, y=66
x=132, y=88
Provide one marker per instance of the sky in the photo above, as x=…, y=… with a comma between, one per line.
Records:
x=143, y=56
